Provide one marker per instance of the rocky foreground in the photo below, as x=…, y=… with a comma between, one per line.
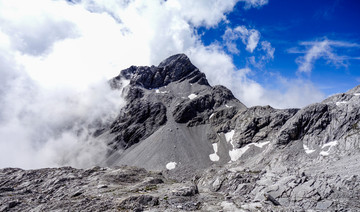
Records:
x=199, y=148
x=135, y=189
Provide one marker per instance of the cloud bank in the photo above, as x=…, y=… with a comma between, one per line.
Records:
x=56, y=57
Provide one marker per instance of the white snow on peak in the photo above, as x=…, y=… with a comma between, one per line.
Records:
x=227, y=106
x=341, y=103
x=214, y=156
x=192, y=96
x=308, y=150
x=171, y=165
x=331, y=144
x=356, y=94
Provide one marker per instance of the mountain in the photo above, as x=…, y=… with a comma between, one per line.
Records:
x=182, y=144
x=173, y=116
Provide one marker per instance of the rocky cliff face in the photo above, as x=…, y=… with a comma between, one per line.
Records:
x=204, y=150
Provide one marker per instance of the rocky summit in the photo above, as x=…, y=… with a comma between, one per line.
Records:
x=180, y=144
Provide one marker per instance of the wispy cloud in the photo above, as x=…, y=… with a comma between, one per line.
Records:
x=254, y=3
x=249, y=37
x=266, y=46
x=324, y=49
x=265, y=54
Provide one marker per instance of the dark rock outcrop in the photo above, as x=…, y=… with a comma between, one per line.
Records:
x=260, y=124
x=174, y=68
x=137, y=121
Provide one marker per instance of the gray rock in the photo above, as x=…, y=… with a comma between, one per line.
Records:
x=137, y=203
x=186, y=191
x=260, y=123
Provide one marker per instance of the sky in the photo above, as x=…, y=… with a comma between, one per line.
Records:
x=57, y=55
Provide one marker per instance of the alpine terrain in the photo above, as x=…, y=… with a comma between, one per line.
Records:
x=180, y=144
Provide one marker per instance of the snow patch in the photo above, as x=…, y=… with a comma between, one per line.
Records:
x=341, y=103
x=229, y=136
x=356, y=94
x=236, y=153
x=171, y=165
x=324, y=153
x=331, y=144
x=158, y=91
x=211, y=115
x=125, y=83
x=308, y=150
x=192, y=96
x=227, y=106
x=260, y=145
x=214, y=156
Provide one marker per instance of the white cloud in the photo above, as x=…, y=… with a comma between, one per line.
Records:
x=325, y=49
x=266, y=46
x=264, y=57
x=254, y=3
x=249, y=37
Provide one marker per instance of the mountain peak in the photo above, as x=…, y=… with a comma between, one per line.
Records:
x=175, y=68
x=177, y=58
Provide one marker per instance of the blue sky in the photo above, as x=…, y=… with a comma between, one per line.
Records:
x=286, y=25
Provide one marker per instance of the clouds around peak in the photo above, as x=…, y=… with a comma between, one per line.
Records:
x=322, y=49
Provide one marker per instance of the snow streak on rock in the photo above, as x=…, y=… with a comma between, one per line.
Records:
x=214, y=156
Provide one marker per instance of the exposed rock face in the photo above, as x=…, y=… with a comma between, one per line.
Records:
x=198, y=110
x=207, y=152
x=260, y=124
x=174, y=68
x=137, y=121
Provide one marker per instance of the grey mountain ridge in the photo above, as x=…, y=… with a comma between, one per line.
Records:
x=181, y=144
